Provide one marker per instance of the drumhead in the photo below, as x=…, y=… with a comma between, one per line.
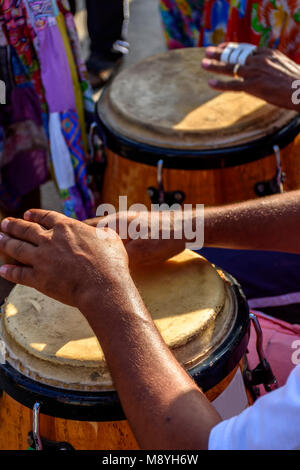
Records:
x=54, y=344
x=165, y=101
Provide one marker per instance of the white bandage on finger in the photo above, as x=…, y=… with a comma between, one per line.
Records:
x=225, y=56
x=247, y=50
x=234, y=56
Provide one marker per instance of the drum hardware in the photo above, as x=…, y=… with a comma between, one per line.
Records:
x=159, y=195
x=262, y=374
x=36, y=427
x=96, y=165
x=275, y=185
x=37, y=442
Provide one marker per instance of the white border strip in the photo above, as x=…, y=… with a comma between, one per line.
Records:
x=276, y=301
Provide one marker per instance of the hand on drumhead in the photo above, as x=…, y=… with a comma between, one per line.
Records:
x=145, y=250
x=61, y=257
x=267, y=74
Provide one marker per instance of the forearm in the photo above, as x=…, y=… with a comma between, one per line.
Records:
x=271, y=223
x=162, y=403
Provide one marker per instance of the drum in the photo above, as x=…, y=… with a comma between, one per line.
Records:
x=57, y=389
x=170, y=138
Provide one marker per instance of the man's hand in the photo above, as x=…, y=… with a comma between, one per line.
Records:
x=148, y=251
x=61, y=257
x=268, y=74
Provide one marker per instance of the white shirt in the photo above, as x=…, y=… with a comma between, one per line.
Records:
x=271, y=423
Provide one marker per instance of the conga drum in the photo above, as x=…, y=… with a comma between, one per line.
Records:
x=170, y=138
x=57, y=391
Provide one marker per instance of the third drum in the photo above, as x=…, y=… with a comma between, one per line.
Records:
x=170, y=138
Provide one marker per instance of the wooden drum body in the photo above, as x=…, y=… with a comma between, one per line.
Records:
x=216, y=148
x=43, y=374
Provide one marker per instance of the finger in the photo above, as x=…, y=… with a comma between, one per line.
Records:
x=92, y=222
x=17, y=274
x=45, y=218
x=17, y=249
x=231, y=85
x=23, y=230
x=225, y=69
x=215, y=53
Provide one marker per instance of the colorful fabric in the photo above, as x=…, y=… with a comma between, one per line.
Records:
x=181, y=21
x=268, y=23
x=19, y=35
x=60, y=154
x=87, y=94
x=265, y=23
x=25, y=146
x=55, y=68
x=44, y=52
x=74, y=77
x=71, y=131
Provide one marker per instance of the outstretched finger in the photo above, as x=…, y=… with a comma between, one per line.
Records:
x=23, y=230
x=47, y=219
x=17, y=274
x=222, y=68
x=215, y=52
x=19, y=250
x=231, y=85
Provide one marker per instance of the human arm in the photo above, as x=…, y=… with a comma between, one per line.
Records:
x=64, y=259
x=270, y=223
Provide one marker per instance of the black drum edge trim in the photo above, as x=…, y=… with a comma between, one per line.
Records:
x=210, y=159
x=61, y=403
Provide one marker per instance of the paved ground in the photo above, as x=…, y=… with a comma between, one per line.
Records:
x=146, y=38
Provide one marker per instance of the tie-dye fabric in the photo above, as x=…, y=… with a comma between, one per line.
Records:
x=266, y=23
x=181, y=21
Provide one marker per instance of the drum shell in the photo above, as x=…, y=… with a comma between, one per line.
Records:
x=128, y=177
x=16, y=423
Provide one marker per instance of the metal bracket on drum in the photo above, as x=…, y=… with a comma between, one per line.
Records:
x=159, y=195
x=40, y=443
x=262, y=374
x=97, y=163
x=275, y=185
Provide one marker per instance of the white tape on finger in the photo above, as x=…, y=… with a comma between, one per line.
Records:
x=248, y=49
x=234, y=57
x=225, y=56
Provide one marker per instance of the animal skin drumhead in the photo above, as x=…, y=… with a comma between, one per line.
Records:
x=54, y=343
